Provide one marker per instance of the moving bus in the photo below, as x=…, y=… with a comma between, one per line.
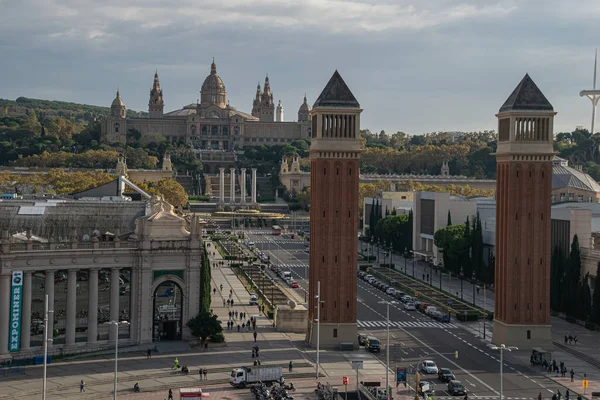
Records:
x=276, y=230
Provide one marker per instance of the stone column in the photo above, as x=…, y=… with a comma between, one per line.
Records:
x=114, y=302
x=71, y=306
x=49, y=290
x=26, y=313
x=221, y=185
x=253, y=201
x=243, y=186
x=4, y=312
x=93, y=307
x=232, y=185
x=133, y=307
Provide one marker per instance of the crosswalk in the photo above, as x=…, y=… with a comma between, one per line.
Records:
x=292, y=266
x=405, y=324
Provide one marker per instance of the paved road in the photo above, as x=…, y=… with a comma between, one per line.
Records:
x=414, y=336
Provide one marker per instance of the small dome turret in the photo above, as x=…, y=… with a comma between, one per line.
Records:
x=304, y=111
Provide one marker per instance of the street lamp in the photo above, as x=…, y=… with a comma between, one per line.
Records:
x=412, y=255
x=430, y=272
x=462, y=275
x=318, y=297
x=440, y=268
x=46, y=340
x=116, y=324
x=387, y=347
x=473, y=279
x=502, y=348
x=405, y=257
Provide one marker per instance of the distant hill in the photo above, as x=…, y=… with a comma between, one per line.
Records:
x=53, y=108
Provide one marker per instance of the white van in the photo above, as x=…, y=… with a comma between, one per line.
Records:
x=285, y=275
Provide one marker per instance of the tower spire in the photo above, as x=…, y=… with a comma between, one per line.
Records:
x=213, y=67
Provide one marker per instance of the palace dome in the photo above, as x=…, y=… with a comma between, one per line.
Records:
x=213, y=89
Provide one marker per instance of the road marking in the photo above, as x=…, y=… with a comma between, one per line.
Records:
x=470, y=383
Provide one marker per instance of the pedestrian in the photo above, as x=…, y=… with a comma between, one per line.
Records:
x=575, y=339
x=231, y=302
x=255, y=335
x=567, y=394
x=256, y=351
x=227, y=302
x=82, y=386
x=205, y=344
x=205, y=372
x=223, y=302
x=253, y=353
x=238, y=327
x=214, y=291
x=221, y=287
x=566, y=339
x=259, y=362
x=170, y=394
x=290, y=366
x=230, y=291
x=176, y=363
x=200, y=373
x=540, y=396
x=148, y=353
x=236, y=314
x=570, y=339
x=572, y=374
x=255, y=363
x=243, y=325
x=558, y=394
x=423, y=276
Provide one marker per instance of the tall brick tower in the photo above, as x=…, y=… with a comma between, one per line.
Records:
x=523, y=201
x=334, y=160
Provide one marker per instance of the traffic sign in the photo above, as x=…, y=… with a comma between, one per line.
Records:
x=450, y=304
x=585, y=383
x=357, y=364
x=345, y=380
x=449, y=309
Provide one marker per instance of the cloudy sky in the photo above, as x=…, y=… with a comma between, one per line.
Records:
x=414, y=65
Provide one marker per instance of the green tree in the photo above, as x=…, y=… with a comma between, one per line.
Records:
x=454, y=245
x=586, y=299
x=205, y=280
x=596, y=300
x=205, y=325
x=573, y=277
x=410, y=226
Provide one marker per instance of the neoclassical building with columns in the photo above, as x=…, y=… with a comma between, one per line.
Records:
x=98, y=261
x=212, y=123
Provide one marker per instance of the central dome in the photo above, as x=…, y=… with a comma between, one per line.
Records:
x=213, y=90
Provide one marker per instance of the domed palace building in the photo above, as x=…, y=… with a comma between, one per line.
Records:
x=212, y=123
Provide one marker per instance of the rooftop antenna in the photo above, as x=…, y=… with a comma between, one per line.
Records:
x=594, y=94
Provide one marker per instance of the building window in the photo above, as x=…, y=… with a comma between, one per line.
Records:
x=528, y=334
x=335, y=332
x=116, y=128
x=254, y=139
x=268, y=139
x=580, y=198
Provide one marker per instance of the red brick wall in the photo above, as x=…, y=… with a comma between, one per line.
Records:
x=333, y=237
x=523, y=217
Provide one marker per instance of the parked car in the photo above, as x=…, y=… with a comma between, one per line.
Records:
x=410, y=306
x=429, y=367
x=391, y=291
x=423, y=306
x=407, y=298
x=362, y=339
x=399, y=295
x=436, y=315
x=385, y=288
x=444, y=317
x=456, y=388
x=294, y=284
x=430, y=310
x=445, y=375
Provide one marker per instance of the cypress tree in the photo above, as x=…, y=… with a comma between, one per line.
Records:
x=449, y=218
x=410, y=229
x=205, y=280
x=586, y=299
x=386, y=211
x=596, y=300
x=572, y=279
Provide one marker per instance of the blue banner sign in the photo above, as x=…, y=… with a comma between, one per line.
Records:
x=16, y=299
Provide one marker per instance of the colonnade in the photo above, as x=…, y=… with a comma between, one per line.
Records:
x=232, y=186
x=71, y=306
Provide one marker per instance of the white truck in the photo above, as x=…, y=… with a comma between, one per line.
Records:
x=243, y=376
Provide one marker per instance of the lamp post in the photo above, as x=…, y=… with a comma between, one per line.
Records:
x=462, y=275
x=116, y=325
x=405, y=257
x=473, y=279
x=387, y=348
x=431, y=272
x=46, y=340
x=412, y=256
x=440, y=268
x=318, y=297
x=502, y=348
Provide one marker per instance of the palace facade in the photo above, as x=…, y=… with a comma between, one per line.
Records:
x=211, y=123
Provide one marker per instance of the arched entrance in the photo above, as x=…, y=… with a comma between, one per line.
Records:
x=168, y=314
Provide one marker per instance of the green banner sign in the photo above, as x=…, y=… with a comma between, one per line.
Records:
x=16, y=298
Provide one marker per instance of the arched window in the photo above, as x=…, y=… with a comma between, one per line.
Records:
x=116, y=128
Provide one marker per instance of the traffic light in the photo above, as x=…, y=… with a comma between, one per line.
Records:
x=345, y=380
x=456, y=354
